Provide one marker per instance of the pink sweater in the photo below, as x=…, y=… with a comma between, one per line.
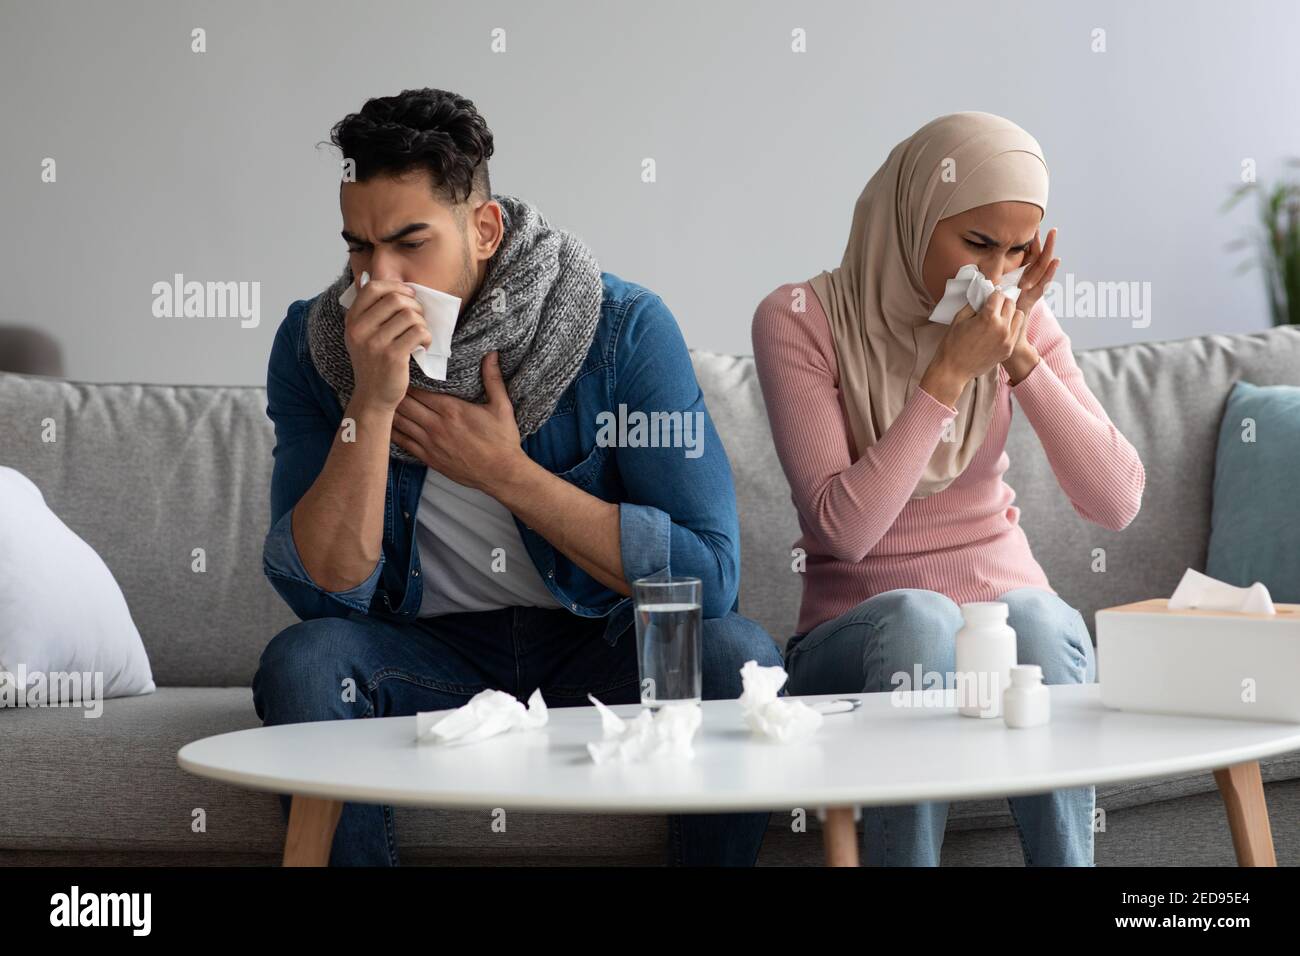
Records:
x=862, y=532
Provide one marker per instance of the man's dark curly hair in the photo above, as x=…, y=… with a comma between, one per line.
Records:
x=420, y=129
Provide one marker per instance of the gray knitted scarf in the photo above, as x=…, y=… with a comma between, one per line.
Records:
x=549, y=287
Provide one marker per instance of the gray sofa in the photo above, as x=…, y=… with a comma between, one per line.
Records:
x=146, y=473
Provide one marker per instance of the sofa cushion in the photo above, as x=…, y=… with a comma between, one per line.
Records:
x=66, y=634
x=147, y=475
x=1255, y=524
x=138, y=798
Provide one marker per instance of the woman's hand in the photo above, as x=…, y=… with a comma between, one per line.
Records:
x=1042, y=267
x=973, y=344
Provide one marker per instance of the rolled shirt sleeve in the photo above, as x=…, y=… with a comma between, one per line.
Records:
x=304, y=434
x=678, y=513
x=284, y=569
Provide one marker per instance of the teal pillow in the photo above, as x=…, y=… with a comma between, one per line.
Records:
x=1255, y=520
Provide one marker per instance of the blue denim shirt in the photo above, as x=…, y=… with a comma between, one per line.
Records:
x=677, y=513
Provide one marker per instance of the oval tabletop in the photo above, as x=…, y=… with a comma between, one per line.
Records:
x=881, y=753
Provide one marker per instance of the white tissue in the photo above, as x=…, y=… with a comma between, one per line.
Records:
x=488, y=713
x=665, y=732
x=440, y=309
x=970, y=287
x=1197, y=590
x=779, y=719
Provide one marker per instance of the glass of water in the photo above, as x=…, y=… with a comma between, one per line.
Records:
x=668, y=613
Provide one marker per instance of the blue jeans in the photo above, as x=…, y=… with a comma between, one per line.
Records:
x=441, y=662
x=893, y=632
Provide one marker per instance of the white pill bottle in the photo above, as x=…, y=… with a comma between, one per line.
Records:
x=985, y=654
x=1026, y=702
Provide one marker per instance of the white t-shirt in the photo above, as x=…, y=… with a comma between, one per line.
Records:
x=459, y=531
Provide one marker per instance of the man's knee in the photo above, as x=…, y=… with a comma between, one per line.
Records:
x=302, y=673
x=741, y=639
x=728, y=643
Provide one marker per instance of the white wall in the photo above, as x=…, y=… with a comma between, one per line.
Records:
x=207, y=165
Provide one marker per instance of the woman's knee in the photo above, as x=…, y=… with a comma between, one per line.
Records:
x=1051, y=634
x=893, y=639
x=919, y=608
x=913, y=631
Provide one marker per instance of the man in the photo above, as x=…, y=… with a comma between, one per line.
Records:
x=439, y=536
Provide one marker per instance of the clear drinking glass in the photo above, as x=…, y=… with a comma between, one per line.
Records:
x=668, y=614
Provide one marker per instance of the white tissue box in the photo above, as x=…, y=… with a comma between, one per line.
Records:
x=1200, y=663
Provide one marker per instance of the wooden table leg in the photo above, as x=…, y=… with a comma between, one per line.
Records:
x=311, y=830
x=1242, y=788
x=840, y=836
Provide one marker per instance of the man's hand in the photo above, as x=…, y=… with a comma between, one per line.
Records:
x=478, y=446
x=381, y=330
x=473, y=445
x=1042, y=267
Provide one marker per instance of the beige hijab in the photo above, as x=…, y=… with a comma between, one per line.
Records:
x=876, y=301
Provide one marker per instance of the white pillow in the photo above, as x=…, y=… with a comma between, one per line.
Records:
x=62, y=616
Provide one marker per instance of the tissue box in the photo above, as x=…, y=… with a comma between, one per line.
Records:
x=1200, y=663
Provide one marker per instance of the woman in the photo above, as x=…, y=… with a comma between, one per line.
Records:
x=891, y=429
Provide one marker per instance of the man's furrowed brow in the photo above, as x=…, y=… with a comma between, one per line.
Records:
x=400, y=233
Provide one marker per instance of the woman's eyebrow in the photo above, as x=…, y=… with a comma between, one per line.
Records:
x=993, y=242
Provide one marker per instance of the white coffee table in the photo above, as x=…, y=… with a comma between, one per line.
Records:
x=877, y=755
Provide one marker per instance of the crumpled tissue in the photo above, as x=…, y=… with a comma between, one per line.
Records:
x=441, y=309
x=970, y=287
x=664, y=732
x=1197, y=590
x=779, y=719
x=488, y=713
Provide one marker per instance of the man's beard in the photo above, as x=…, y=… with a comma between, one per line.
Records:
x=467, y=293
